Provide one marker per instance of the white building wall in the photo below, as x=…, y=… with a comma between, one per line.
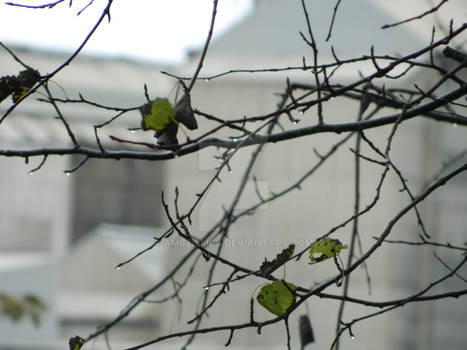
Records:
x=325, y=200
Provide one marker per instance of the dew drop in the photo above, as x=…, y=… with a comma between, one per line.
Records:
x=118, y=267
x=206, y=288
x=352, y=337
x=133, y=131
x=454, y=125
x=230, y=171
x=300, y=112
x=206, y=80
x=68, y=173
x=176, y=156
x=31, y=172
x=294, y=122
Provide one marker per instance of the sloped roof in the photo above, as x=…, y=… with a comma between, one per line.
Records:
x=273, y=28
x=269, y=36
x=91, y=263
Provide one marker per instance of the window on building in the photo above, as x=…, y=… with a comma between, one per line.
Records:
x=121, y=192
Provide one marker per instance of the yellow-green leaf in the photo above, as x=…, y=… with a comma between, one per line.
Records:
x=11, y=307
x=277, y=297
x=15, y=309
x=34, y=302
x=327, y=248
x=157, y=114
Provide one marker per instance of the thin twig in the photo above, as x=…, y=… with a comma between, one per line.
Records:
x=205, y=48
x=434, y=9
x=105, y=13
x=48, y=5
x=334, y=13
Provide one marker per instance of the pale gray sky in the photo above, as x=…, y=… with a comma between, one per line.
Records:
x=148, y=29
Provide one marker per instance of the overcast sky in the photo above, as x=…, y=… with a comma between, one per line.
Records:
x=149, y=29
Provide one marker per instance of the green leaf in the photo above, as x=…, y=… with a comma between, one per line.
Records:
x=36, y=318
x=11, y=308
x=15, y=309
x=157, y=114
x=34, y=302
x=34, y=306
x=277, y=297
x=327, y=247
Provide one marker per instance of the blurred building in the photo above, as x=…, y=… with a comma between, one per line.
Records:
x=83, y=225
x=108, y=212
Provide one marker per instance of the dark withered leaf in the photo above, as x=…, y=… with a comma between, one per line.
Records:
x=184, y=113
x=168, y=136
x=75, y=343
x=8, y=84
x=268, y=267
x=305, y=331
x=19, y=85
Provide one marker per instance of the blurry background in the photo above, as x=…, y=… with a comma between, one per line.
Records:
x=62, y=236
x=149, y=30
